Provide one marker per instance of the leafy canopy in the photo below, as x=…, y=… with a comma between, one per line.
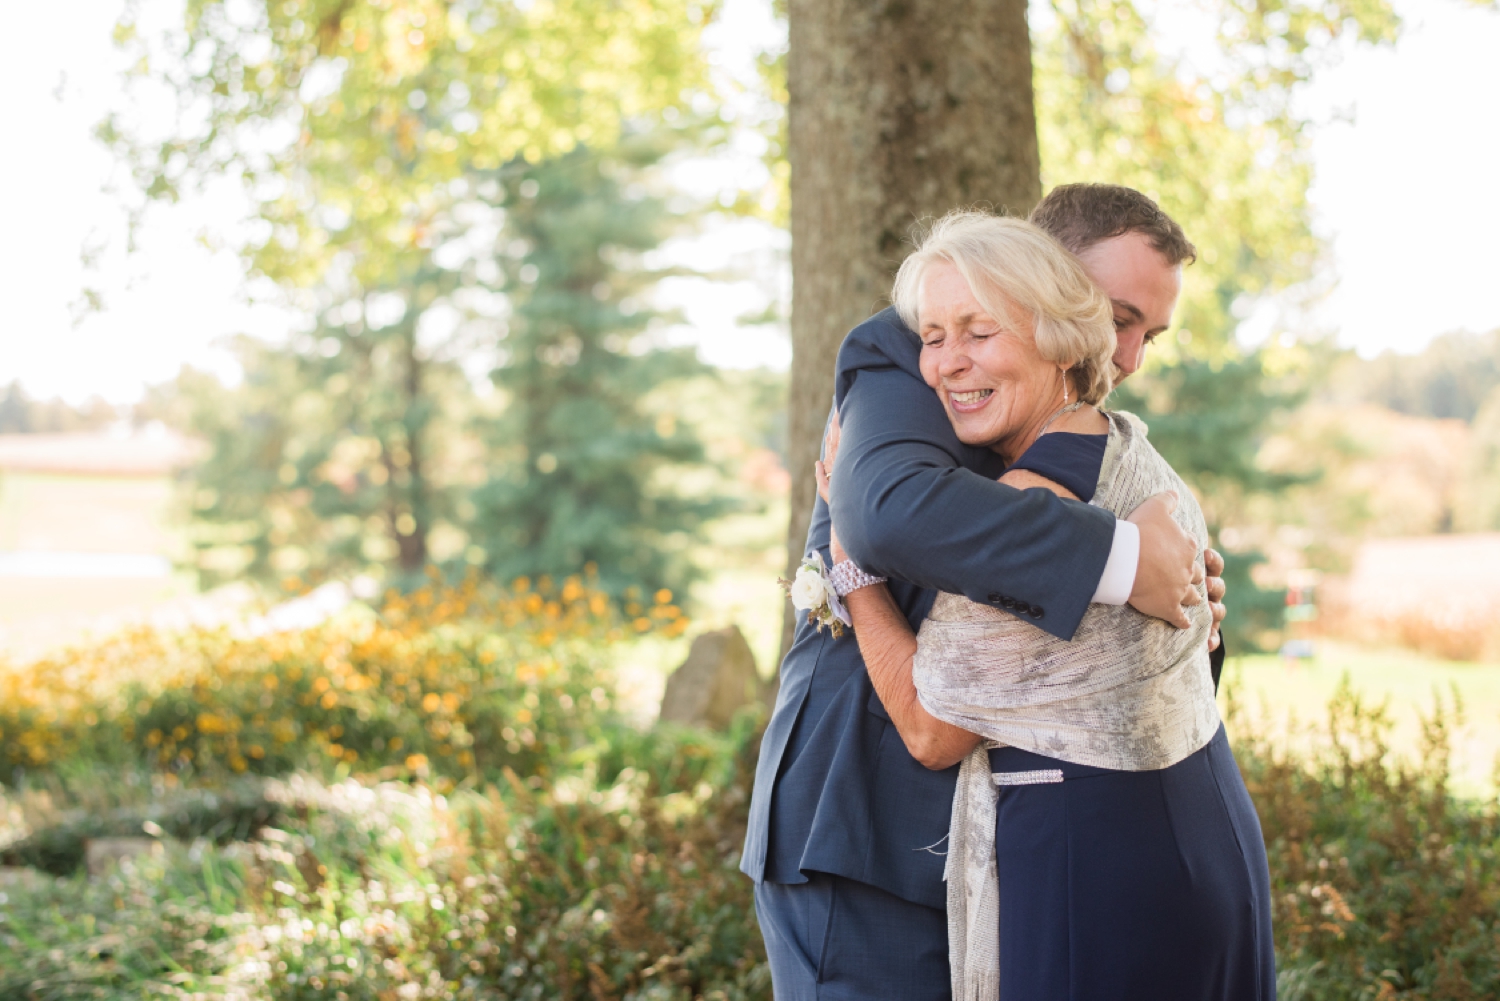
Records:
x=346, y=120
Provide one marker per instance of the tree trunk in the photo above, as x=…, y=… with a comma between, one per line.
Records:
x=899, y=110
x=411, y=544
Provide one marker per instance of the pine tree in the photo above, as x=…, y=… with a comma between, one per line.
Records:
x=589, y=472
x=331, y=457
x=1208, y=421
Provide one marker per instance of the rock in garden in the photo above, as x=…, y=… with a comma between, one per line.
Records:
x=717, y=679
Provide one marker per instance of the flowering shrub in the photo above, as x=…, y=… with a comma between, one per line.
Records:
x=567, y=854
x=450, y=682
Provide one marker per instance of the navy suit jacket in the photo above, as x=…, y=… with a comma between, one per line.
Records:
x=835, y=789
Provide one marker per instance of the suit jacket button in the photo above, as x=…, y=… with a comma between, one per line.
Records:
x=1034, y=611
x=996, y=598
x=1008, y=602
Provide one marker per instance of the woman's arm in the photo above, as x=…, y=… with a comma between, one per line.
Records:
x=887, y=645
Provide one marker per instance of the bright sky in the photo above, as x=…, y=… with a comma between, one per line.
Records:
x=1405, y=194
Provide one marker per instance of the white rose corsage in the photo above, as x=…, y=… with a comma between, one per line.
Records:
x=813, y=592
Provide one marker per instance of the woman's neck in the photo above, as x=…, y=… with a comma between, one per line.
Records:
x=1081, y=418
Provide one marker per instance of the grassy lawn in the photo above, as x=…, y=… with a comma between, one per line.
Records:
x=85, y=514
x=1288, y=696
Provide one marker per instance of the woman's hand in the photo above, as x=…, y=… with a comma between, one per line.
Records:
x=823, y=471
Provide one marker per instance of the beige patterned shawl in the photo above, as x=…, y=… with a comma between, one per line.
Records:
x=1128, y=692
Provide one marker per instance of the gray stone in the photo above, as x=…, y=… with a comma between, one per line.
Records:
x=716, y=680
x=102, y=854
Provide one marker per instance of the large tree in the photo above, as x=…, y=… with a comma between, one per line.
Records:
x=896, y=111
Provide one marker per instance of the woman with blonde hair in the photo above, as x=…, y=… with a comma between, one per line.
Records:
x=1102, y=844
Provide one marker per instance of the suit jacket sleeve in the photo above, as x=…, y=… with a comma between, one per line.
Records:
x=912, y=501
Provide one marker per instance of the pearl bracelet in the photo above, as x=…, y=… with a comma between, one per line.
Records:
x=847, y=577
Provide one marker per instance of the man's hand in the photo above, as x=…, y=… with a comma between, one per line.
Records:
x=1214, y=564
x=823, y=474
x=1168, y=571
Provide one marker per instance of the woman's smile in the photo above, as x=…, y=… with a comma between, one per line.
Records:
x=969, y=401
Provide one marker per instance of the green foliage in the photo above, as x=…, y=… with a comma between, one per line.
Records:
x=1382, y=884
x=1209, y=420
x=380, y=148
x=613, y=873
x=221, y=816
x=347, y=120
x=624, y=887
x=333, y=456
x=583, y=467
x=1206, y=419
x=1220, y=145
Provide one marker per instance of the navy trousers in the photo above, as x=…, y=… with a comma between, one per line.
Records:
x=835, y=939
x=1114, y=886
x=1133, y=886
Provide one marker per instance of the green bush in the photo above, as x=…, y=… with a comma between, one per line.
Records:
x=1383, y=884
x=593, y=860
x=626, y=889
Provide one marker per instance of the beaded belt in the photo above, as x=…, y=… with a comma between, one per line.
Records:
x=1039, y=776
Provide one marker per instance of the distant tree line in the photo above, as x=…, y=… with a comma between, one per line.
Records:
x=1453, y=377
x=20, y=413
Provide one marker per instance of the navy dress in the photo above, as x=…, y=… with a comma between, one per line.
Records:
x=1129, y=886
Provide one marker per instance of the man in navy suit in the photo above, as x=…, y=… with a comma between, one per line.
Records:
x=847, y=830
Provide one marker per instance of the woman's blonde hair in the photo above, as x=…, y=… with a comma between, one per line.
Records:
x=1010, y=261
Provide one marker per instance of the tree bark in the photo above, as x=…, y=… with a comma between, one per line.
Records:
x=898, y=110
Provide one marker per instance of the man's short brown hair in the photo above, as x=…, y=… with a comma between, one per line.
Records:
x=1081, y=215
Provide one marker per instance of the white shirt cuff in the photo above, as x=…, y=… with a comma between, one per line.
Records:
x=1119, y=573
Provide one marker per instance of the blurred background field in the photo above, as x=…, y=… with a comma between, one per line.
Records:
x=1289, y=697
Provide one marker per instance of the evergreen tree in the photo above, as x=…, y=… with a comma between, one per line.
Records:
x=332, y=456
x=1208, y=421
x=588, y=470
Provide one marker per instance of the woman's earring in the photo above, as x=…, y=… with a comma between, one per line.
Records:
x=1065, y=389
